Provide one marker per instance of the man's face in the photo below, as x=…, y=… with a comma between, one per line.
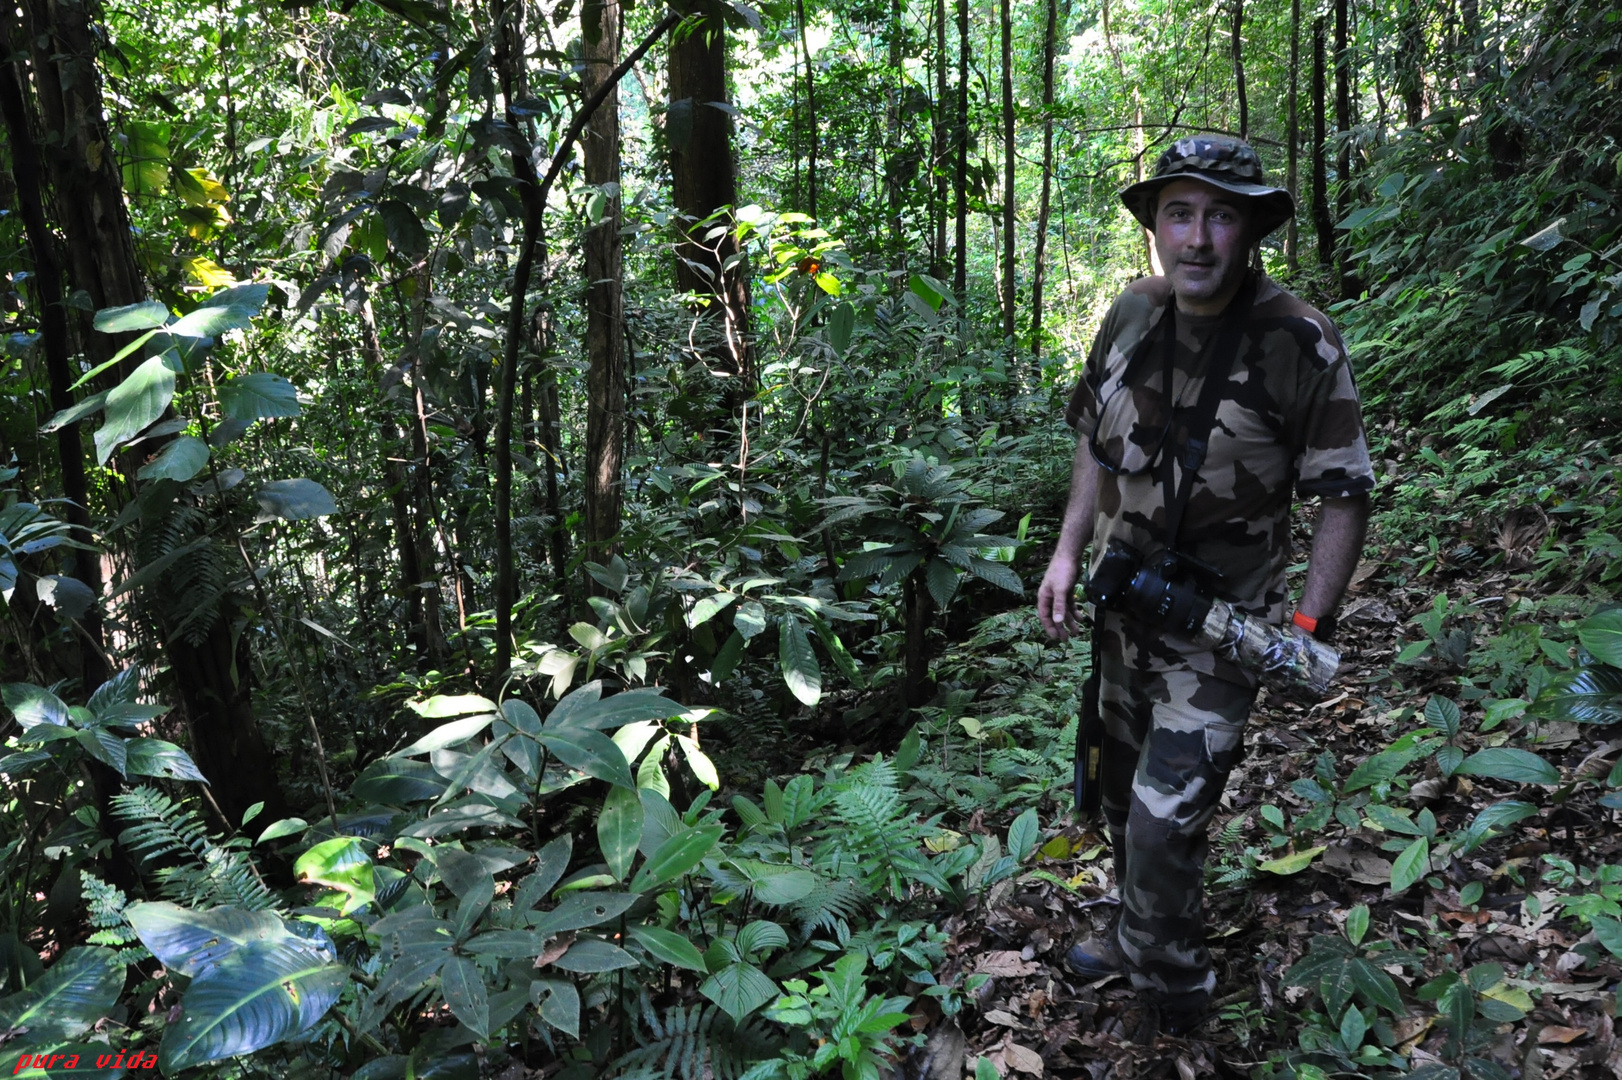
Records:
x=1202, y=234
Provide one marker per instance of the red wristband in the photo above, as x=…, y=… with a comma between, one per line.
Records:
x=1310, y=625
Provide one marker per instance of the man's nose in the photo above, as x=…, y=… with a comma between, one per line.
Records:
x=1199, y=234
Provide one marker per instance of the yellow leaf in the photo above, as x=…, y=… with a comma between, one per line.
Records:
x=1510, y=995
x=829, y=284
x=208, y=272
x=1057, y=848
x=199, y=188
x=1293, y=864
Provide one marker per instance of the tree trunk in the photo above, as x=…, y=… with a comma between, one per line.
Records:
x=1044, y=206
x=810, y=111
x=605, y=316
x=1343, y=124
x=960, y=167
x=29, y=175
x=1009, y=194
x=1292, y=179
x=894, y=191
x=703, y=180
x=1323, y=224
x=1151, y=257
x=942, y=139
x=1237, y=40
x=920, y=604
x=212, y=677
x=1411, y=64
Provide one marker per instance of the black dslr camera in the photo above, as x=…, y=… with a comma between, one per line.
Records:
x=1162, y=589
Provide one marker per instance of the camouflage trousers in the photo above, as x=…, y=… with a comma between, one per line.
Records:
x=1171, y=738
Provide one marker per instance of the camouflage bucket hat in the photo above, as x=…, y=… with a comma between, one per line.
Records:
x=1221, y=161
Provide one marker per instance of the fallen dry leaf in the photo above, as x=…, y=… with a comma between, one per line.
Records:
x=1003, y=1019
x=1556, y=1034
x=557, y=948
x=1006, y=965
x=1023, y=1059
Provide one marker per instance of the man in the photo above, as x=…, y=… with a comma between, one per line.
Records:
x=1287, y=416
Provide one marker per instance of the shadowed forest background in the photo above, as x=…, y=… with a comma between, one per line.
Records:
x=518, y=523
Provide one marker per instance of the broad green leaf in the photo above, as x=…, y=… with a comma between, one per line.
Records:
x=1608, y=932
x=258, y=996
x=1294, y=863
x=1442, y=713
x=105, y=747
x=587, y=956
x=697, y=760
x=396, y=780
x=727, y=657
x=442, y=705
x=1411, y=865
x=558, y=1002
x=463, y=988
x=676, y=856
x=590, y=751
x=550, y=863
x=259, y=395
x=457, y=731
x=1336, y=987
x=583, y=910
x=926, y=290
x=285, y=827
x=1377, y=768
x=188, y=941
x=750, y=619
x=298, y=499
x=1511, y=764
x=30, y=705
x=229, y=309
x=668, y=946
x=343, y=864
x=761, y=936
x=1588, y=695
x=739, y=989
x=1601, y=635
x=1353, y=1026
x=73, y=414
x=1357, y=923
x=1458, y=1008
x=841, y=323
x=709, y=607
x=581, y=709
x=78, y=990
x=1023, y=834
x=134, y=404
x=619, y=829
x=462, y=872
x=405, y=232
x=799, y=664
x=145, y=315
x=180, y=460
x=1376, y=987
x=158, y=757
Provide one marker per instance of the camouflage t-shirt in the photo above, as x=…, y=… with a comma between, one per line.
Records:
x=1289, y=419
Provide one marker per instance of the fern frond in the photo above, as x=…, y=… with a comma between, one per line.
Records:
x=829, y=901
x=695, y=1043
x=206, y=871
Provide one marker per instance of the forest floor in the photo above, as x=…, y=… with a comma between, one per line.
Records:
x=1034, y=1017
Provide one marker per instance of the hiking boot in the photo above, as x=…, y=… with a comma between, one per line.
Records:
x=1096, y=958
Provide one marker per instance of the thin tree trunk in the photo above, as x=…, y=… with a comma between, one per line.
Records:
x=1010, y=193
x=1237, y=40
x=29, y=175
x=1292, y=234
x=1038, y=258
x=1343, y=126
x=1323, y=224
x=1151, y=257
x=942, y=140
x=893, y=191
x=810, y=109
x=703, y=180
x=960, y=172
x=1411, y=64
x=605, y=316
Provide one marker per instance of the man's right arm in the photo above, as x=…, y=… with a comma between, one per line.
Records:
x=1056, y=605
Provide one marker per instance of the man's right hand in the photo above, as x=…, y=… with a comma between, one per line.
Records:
x=1056, y=603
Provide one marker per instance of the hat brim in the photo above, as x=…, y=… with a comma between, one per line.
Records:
x=1272, y=206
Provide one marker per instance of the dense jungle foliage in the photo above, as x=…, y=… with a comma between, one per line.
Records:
x=518, y=524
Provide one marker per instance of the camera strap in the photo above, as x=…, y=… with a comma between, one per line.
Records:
x=1203, y=418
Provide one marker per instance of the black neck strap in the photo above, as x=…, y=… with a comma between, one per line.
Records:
x=1203, y=418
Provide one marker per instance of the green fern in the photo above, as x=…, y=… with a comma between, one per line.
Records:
x=694, y=1043
x=831, y=900
x=206, y=872
x=105, y=904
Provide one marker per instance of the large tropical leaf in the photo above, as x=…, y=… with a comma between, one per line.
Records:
x=590, y=751
x=619, y=829
x=67, y=1000
x=1589, y=695
x=739, y=989
x=397, y=781
x=799, y=664
x=134, y=404
x=676, y=856
x=31, y=705
x=258, y=395
x=257, y=996
x=188, y=942
x=343, y=864
x=1510, y=763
